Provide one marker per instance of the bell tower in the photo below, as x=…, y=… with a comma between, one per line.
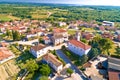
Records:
x=77, y=35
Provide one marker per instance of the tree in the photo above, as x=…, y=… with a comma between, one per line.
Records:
x=83, y=59
x=41, y=40
x=43, y=78
x=117, y=50
x=28, y=30
x=45, y=69
x=31, y=65
x=16, y=35
x=108, y=46
x=69, y=71
x=84, y=40
x=93, y=53
x=8, y=33
x=105, y=44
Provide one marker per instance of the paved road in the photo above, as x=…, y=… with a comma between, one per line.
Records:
x=73, y=67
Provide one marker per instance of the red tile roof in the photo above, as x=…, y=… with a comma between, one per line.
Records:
x=5, y=53
x=114, y=75
x=38, y=47
x=80, y=44
x=51, y=58
x=58, y=30
x=4, y=44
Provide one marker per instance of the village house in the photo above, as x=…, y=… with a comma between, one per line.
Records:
x=59, y=36
x=87, y=35
x=107, y=35
x=3, y=44
x=73, y=26
x=102, y=28
x=34, y=33
x=62, y=24
x=2, y=29
x=5, y=55
x=57, y=39
x=39, y=50
x=78, y=47
x=46, y=40
x=113, y=68
x=53, y=62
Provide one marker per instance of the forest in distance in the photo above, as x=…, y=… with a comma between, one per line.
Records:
x=51, y=12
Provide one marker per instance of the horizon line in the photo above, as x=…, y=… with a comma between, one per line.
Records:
x=68, y=4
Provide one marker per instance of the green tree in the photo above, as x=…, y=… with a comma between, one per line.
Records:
x=44, y=70
x=93, y=53
x=31, y=65
x=16, y=35
x=41, y=40
x=84, y=40
x=105, y=44
x=43, y=78
x=69, y=71
x=28, y=30
x=117, y=51
x=83, y=59
x=8, y=33
x=108, y=46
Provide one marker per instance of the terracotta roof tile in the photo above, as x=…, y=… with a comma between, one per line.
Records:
x=51, y=58
x=5, y=53
x=80, y=44
x=38, y=47
x=114, y=75
x=58, y=30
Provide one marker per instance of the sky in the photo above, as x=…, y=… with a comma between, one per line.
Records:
x=82, y=2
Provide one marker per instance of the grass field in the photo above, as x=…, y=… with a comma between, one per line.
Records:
x=7, y=17
x=71, y=31
x=36, y=16
x=88, y=29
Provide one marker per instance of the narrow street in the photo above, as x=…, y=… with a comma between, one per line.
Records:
x=73, y=67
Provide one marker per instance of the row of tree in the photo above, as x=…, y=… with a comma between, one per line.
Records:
x=15, y=35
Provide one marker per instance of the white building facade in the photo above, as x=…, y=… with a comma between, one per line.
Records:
x=78, y=47
x=53, y=62
x=39, y=50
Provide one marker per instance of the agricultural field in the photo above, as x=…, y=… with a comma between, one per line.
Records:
x=9, y=70
x=8, y=17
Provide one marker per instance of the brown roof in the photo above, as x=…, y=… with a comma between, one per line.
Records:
x=38, y=47
x=4, y=44
x=114, y=75
x=107, y=35
x=57, y=36
x=5, y=53
x=80, y=44
x=58, y=30
x=51, y=58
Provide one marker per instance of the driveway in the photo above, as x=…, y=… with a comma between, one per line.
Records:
x=67, y=61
